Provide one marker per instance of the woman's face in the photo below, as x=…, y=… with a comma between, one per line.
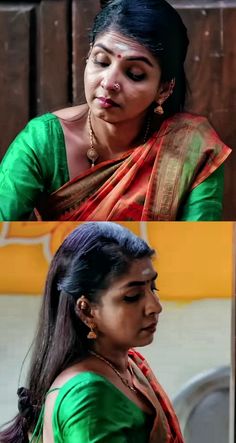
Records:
x=116, y=59
x=128, y=311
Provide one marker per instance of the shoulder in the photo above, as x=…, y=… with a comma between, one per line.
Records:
x=90, y=408
x=195, y=133
x=39, y=130
x=83, y=396
x=86, y=388
x=76, y=399
x=188, y=121
x=192, y=127
x=33, y=139
x=44, y=125
x=72, y=113
x=42, y=135
x=41, y=144
x=42, y=120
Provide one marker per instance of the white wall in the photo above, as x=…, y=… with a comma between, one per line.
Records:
x=191, y=338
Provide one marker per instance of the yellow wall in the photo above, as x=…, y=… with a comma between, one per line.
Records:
x=194, y=260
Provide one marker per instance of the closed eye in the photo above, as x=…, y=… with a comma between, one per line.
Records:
x=102, y=64
x=132, y=299
x=130, y=74
x=136, y=77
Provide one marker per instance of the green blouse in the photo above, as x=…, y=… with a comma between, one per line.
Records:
x=90, y=409
x=36, y=164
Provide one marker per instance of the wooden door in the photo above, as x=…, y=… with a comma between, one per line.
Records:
x=211, y=72
x=34, y=60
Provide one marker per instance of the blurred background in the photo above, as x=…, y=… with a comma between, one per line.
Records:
x=42, y=57
x=192, y=351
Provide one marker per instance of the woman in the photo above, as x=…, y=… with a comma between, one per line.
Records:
x=129, y=153
x=85, y=383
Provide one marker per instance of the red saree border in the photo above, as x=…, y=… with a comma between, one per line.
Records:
x=175, y=436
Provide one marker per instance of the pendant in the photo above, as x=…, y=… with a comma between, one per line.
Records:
x=92, y=155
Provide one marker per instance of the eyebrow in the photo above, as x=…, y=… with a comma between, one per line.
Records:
x=131, y=284
x=134, y=58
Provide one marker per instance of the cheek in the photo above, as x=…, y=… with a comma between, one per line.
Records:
x=91, y=79
x=122, y=320
x=141, y=99
x=143, y=93
x=128, y=319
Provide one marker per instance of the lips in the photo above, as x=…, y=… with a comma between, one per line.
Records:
x=151, y=327
x=107, y=102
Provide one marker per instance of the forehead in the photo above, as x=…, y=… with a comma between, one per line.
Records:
x=143, y=267
x=120, y=44
x=140, y=270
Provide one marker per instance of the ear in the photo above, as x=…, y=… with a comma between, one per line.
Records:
x=165, y=90
x=83, y=310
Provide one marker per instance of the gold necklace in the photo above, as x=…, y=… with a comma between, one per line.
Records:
x=92, y=154
x=124, y=380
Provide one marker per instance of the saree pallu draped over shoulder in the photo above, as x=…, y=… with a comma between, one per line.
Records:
x=147, y=183
x=165, y=427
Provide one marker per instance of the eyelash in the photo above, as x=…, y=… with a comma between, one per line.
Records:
x=135, y=298
x=134, y=77
x=132, y=299
x=103, y=65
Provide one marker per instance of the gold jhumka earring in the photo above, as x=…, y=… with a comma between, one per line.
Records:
x=83, y=305
x=92, y=334
x=159, y=109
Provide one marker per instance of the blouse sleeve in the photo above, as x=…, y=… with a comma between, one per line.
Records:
x=204, y=202
x=89, y=414
x=29, y=168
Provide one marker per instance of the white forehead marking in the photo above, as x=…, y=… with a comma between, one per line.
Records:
x=121, y=46
x=146, y=271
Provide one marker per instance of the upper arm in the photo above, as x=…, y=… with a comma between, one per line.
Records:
x=34, y=164
x=21, y=176
x=91, y=415
x=204, y=203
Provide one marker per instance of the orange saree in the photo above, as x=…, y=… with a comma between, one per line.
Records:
x=146, y=382
x=147, y=183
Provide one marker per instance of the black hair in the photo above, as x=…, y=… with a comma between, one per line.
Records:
x=86, y=263
x=156, y=25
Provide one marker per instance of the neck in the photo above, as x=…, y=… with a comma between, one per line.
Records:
x=111, y=139
x=118, y=358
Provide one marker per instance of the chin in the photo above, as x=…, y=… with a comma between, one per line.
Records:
x=144, y=342
x=106, y=115
x=149, y=341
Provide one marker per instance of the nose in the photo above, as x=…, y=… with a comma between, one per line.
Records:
x=153, y=304
x=110, y=80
